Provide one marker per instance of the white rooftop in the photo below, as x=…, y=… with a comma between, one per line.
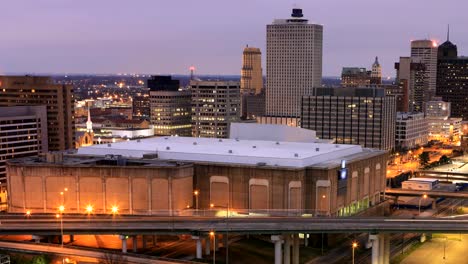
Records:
x=250, y=152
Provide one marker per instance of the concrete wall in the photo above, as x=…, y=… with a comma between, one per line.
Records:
x=134, y=190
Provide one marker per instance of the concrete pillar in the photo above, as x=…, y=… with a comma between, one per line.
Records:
x=306, y=240
x=144, y=240
x=386, y=258
x=423, y=238
x=155, y=240
x=225, y=240
x=374, y=238
x=124, y=243
x=381, y=248
x=287, y=249
x=434, y=204
x=278, y=254
x=216, y=241
x=135, y=243
x=72, y=238
x=198, y=247
x=207, y=246
x=295, y=251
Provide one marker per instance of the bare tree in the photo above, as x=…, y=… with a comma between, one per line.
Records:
x=111, y=258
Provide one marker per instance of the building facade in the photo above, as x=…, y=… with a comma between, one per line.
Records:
x=23, y=133
x=58, y=98
x=452, y=79
x=293, y=62
x=411, y=131
x=215, y=105
x=442, y=127
x=355, y=77
x=376, y=73
x=170, y=107
x=411, y=78
x=425, y=52
x=359, y=116
x=251, y=73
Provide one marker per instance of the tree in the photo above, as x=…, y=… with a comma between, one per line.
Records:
x=424, y=158
x=444, y=160
x=110, y=258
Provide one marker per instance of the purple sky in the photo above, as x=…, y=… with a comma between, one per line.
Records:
x=167, y=36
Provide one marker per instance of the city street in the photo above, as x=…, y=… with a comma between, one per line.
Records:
x=432, y=251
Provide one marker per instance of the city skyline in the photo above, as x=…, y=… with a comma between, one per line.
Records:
x=167, y=38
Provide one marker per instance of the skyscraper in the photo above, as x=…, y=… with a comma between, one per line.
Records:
x=411, y=77
x=170, y=108
x=376, y=73
x=355, y=77
x=215, y=105
x=294, y=63
x=425, y=52
x=33, y=90
x=251, y=74
x=452, y=79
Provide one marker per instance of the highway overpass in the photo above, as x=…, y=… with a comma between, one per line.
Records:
x=432, y=194
x=443, y=175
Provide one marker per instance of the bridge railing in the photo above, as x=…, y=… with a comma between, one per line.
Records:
x=231, y=212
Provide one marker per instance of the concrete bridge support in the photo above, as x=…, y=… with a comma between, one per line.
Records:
x=278, y=252
x=380, y=248
x=287, y=249
x=207, y=246
x=295, y=251
x=135, y=243
x=198, y=246
x=37, y=238
x=124, y=243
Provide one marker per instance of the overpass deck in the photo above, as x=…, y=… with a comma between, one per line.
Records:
x=248, y=225
x=433, y=194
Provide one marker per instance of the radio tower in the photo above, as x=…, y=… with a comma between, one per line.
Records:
x=192, y=70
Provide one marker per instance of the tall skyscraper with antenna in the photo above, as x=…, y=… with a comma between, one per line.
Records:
x=293, y=63
x=425, y=52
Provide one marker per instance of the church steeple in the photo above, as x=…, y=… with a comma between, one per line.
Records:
x=89, y=123
x=448, y=32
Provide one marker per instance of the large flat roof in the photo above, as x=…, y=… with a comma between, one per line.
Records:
x=232, y=151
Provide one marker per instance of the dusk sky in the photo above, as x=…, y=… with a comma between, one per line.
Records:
x=167, y=36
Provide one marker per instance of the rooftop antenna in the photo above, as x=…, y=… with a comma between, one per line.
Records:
x=192, y=70
x=448, y=32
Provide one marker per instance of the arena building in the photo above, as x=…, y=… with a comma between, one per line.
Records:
x=242, y=175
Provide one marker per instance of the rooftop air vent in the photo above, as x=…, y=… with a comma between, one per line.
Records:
x=317, y=149
x=296, y=155
x=254, y=146
x=220, y=140
x=194, y=143
x=261, y=164
x=138, y=140
x=168, y=148
x=237, y=139
x=337, y=146
x=109, y=145
x=166, y=138
x=277, y=143
x=230, y=151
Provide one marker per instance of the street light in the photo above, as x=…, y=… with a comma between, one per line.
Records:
x=115, y=210
x=89, y=209
x=61, y=210
x=28, y=213
x=196, y=192
x=423, y=197
x=354, y=246
x=212, y=234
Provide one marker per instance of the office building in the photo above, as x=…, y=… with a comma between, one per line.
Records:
x=251, y=74
x=23, y=133
x=376, y=73
x=170, y=107
x=442, y=127
x=141, y=106
x=425, y=52
x=355, y=77
x=293, y=62
x=400, y=94
x=438, y=109
x=215, y=105
x=58, y=98
x=452, y=79
x=252, y=105
x=411, y=131
x=358, y=116
x=412, y=81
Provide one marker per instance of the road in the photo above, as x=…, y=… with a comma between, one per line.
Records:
x=432, y=194
x=432, y=251
x=247, y=225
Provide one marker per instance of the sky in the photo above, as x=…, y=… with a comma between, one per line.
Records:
x=168, y=36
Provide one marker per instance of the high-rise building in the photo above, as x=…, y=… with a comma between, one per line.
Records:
x=360, y=116
x=442, y=127
x=355, y=77
x=33, y=90
x=251, y=74
x=141, y=105
x=411, y=130
x=170, y=107
x=23, y=133
x=411, y=78
x=293, y=62
x=425, y=52
x=376, y=73
x=215, y=105
x=452, y=79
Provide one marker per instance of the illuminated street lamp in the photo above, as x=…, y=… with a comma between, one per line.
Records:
x=89, y=209
x=212, y=234
x=115, y=210
x=28, y=213
x=61, y=210
x=196, y=193
x=423, y=197
x=211, y=205
x=354, y=246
